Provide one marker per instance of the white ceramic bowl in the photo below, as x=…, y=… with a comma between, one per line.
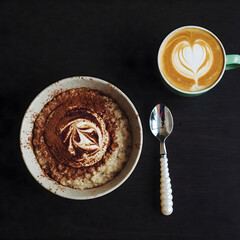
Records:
x=36, y=106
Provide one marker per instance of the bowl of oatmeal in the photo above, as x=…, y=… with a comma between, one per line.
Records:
x=81, y=138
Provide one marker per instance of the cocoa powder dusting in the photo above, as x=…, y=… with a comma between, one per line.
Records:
x=56, y=139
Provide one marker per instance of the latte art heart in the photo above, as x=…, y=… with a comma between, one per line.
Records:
x=192, y=61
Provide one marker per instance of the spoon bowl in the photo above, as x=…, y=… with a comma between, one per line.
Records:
x=161, y=121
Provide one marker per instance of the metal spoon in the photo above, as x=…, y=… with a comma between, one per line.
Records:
x=161, y=125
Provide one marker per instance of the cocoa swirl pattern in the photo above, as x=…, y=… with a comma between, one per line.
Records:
x=85, y=139
x=79, y=135
x=80, y=139
x=192, y=61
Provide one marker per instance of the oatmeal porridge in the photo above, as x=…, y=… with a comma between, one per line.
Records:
x=82, y=138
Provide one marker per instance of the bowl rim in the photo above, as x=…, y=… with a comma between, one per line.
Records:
x=23, y=140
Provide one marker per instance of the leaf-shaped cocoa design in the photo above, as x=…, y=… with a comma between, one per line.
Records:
x=83, y=134
x=85, y=138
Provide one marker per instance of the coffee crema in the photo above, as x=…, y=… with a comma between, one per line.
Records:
x=191, y=59
x=82, y=138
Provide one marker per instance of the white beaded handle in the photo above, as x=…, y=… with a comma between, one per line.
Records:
x=165, y=187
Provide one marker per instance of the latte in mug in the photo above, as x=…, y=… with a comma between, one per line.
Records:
x=191, y=59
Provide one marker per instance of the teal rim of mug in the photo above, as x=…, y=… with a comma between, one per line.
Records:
x=194, y=94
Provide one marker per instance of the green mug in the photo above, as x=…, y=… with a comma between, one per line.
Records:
x=231, y=61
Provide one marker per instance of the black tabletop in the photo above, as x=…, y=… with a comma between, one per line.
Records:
x=45, y=41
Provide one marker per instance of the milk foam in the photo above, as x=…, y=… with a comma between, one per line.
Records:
x=192, y=61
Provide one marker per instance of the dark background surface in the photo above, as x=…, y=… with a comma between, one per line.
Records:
x=44, y=41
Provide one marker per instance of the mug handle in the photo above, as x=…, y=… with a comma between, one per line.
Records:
x=232, y=61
